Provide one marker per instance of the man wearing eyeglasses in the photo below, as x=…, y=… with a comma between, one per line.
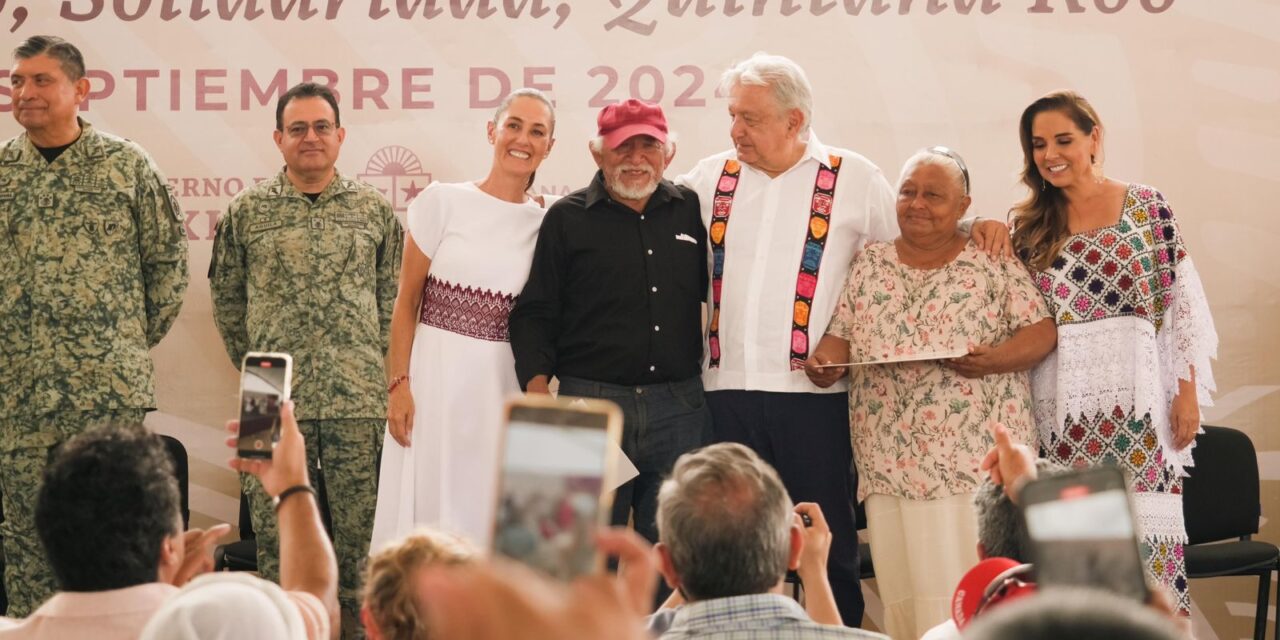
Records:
x=306, y=263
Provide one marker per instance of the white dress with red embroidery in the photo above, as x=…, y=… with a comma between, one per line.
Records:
x=1132, y=320
x=461, y=368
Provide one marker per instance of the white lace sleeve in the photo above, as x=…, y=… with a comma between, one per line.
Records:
x=1186, y=337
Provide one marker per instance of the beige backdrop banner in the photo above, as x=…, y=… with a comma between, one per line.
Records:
x=1188, y=90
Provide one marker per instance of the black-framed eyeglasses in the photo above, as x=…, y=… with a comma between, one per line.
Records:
x=955, y=157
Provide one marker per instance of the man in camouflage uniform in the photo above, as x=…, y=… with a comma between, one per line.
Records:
x=306, y=263
x=93, y=267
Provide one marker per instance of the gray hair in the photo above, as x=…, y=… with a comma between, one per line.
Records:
x=1001, y=529
x=925, y=157
x=67, y=55
x=785, y=78
x=726, y=519
x=526, y=92
x=1068, y=613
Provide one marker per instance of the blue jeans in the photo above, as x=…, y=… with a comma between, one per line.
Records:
x=660, y=422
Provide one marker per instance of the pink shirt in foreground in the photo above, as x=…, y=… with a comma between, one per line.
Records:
x=120, y=614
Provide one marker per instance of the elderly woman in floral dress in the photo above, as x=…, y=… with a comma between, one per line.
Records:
x=920, y=419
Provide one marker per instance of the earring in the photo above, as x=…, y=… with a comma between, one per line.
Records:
x=1096, y=167
x=1043, y=182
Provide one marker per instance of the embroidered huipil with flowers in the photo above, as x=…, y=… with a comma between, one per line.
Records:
x=1132, y=319
x=919, y=429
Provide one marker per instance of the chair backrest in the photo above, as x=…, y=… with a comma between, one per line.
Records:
x=246, y=520
x=178, y=454
x=1221, y=495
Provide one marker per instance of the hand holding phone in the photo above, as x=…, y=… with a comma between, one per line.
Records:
x=287, y=466
x=551, y=502
x=1082, y=532
x=265, y=380
x=817, y=542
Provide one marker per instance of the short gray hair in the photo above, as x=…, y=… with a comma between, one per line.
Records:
x=1067, y=613
x=785, y=78
x=67, y=55
x=926, y=157
x=1001, y=529
x=726, y=519
x=526, y=92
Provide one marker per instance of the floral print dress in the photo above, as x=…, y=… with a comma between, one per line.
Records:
x=1132, y=319
x=919, y=429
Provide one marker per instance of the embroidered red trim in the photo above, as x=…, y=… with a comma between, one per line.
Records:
x=472, y=312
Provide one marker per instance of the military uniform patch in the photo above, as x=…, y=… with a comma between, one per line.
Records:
x=259, y=227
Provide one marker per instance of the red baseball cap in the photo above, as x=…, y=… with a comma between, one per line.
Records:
x=619, y=122
x=988, y=582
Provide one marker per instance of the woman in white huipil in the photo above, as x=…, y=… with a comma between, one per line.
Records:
x=467, y=255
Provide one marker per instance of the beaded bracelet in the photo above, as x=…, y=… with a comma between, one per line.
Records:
x=395, y=382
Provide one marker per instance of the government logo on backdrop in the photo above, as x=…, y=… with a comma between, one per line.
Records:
x=396, y=172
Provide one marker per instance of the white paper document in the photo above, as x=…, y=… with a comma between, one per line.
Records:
x=626, y=469
x=915, y=357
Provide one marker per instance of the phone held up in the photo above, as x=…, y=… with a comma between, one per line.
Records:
x=559, y=458
x=1082, y=532
x=265, y=379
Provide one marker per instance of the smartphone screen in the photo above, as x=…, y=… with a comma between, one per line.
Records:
x=264, y=386
x=551, y=496
x=1082, y=532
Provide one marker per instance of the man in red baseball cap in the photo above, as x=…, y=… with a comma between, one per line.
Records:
x=632, y=150
x=613, y=304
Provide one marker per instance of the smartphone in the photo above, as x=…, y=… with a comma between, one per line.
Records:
x=558, y=461
x=1082, y=532
x=265, y=379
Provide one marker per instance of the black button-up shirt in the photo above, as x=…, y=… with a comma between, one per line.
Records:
x=613, y=295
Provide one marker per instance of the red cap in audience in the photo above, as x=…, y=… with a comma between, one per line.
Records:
x=618, y=122
x=988, y=582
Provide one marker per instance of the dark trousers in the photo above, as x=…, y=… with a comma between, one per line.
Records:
x=805, y=436
x=660, y=422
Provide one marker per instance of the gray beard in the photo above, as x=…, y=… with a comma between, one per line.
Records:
x=633, y=193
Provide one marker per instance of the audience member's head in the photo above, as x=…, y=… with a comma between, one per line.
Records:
x=1001, y=530
x=389, y=611
x=222, y=606
x=725, y=524
x=1069, y=614
x=108, y=513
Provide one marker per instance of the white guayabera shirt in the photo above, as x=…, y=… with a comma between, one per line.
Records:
x=764, y=243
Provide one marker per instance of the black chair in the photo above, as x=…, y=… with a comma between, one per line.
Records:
x=865, y=568
x=241, y=555
x=1221, y=502
x=181, y=469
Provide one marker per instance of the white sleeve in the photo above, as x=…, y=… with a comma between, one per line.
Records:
x=426, y=219
x=697, y=178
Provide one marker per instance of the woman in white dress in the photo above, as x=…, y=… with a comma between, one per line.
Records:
x=467, y=255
